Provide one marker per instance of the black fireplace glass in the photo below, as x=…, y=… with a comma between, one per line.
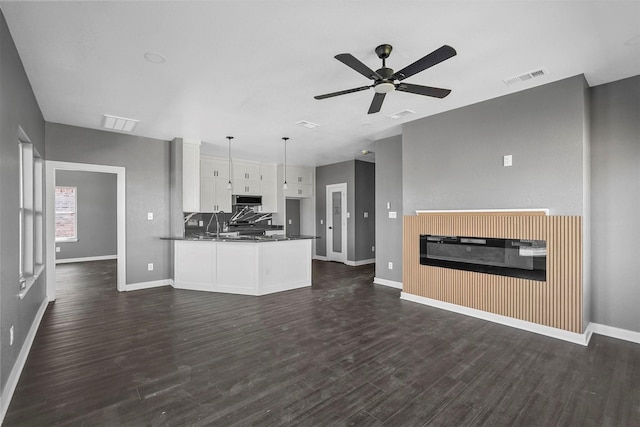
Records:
x=523, y=258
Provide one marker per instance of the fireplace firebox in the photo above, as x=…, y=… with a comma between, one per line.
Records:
x=526, y=259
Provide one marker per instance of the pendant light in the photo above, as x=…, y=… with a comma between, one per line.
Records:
x=229, y=185
x=285, y=186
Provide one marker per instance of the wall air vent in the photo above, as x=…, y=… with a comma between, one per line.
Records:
x=399, y=114
x=307, y=124
x=119, y=123
x=526, y=76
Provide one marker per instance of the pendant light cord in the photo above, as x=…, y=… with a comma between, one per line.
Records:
x=229, y=138
x=285, y=159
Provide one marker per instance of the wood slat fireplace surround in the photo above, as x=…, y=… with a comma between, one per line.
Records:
x=556, y=302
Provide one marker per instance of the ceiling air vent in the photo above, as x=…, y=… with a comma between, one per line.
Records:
x=526, y=76
x=308, y=125
x=399, y=114
x=119, y=123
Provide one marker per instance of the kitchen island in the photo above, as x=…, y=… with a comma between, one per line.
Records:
x=243, y=265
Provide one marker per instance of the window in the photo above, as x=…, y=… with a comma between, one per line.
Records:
x=31, y=219
x=66, y=214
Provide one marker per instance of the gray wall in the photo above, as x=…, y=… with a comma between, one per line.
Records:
x=293, y=216
x=360, y=179
x=389, y=190
x=96, y=214
x=335, y=174
x=453, y=160
x=18, y=107
x=615, y=198
x=365, y=194
x=147, y=189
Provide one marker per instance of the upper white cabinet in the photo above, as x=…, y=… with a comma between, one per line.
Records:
x=190, y=175
x=300, y=182
x=246, y=178
x=214, y=177
x=268, y=188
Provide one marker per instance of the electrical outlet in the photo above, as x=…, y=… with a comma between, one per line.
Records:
x=507, y=160
x=366, y=214
x=390, y=265
x=393, y=215
x=11, y=335
x=373, y=248
x=388, y=205
x=150, y=266
x=57, y=248
x=200, y=223
x=290, y=222
x=150, y=216
x=348, y=214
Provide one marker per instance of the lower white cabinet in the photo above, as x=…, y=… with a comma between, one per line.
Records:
x=246, y=268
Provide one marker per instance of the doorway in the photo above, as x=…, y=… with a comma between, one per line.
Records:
x=51, y=168
x=336, y=215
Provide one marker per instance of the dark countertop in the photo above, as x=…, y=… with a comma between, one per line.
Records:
x=249, y=239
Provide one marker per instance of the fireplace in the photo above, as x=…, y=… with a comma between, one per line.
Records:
x=522, y=258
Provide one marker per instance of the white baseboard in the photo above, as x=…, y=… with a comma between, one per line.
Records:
x=387, y=282
x=147, y=285
x=613, y=332
x=320, y=258
x=582, y=339
x=14, y=376
x=85, y=259
x=361, y=262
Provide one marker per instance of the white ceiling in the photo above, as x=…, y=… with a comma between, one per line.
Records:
x=251, y=68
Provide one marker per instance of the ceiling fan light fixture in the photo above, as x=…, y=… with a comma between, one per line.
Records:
x=384, y=87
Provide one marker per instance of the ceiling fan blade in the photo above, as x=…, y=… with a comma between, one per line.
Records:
x=342, y=92
x=436, y=92
x=435, y=57
x=376, y=104
x=354, y=63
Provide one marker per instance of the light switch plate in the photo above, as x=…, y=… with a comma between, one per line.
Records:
x=366, y=214
x=150, y=266
x=150, y=216
x=507, y=160
x=348, y=214
x=390, y=265
x=388, y=205
x=393, y=215
x=57, y=248
x=321, y=221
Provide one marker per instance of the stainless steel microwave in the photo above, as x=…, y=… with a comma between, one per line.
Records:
x=240, y=200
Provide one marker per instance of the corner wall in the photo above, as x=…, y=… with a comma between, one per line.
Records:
x=389, y=190
x=615, y=204
x=18, y=107
x=147, y=163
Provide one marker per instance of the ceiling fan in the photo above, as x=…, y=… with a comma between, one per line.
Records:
x=386, y=80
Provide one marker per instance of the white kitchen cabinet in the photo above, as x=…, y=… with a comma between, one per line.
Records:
x=246, y=178
x=214, y=195
x=268, y=189
x=300, y=182
x=190, y=175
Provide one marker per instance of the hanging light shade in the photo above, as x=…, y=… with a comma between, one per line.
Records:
x=285, y=186
x=229, y=185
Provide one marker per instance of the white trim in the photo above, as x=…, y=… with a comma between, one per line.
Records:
x=361, y=262
x=545, y=210
x=147, y=285
x=51, y=167
x=613, y=332
x=386, y=282
x=14, y=376
x=86, y=259
x=320, y=258
x=582, y=339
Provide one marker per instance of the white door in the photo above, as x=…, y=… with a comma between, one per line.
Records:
x=337, y=222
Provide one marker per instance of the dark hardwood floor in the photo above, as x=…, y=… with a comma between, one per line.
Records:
x=343, y=352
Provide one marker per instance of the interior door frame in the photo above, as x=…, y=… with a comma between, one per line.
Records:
x=50, y=180
x=335, y=256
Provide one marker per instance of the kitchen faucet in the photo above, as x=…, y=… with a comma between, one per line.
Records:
x=206, y=231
